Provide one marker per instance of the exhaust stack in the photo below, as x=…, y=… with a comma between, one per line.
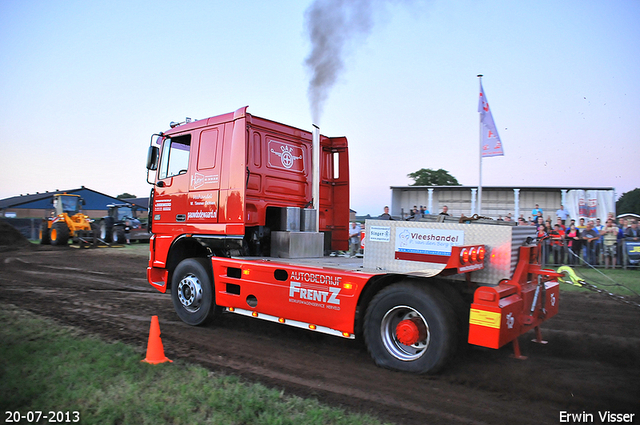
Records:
x=306, y=241
x=315, y=191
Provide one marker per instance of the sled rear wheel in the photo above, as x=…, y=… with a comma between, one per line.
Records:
x=410, y=327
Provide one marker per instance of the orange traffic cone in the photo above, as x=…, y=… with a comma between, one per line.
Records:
x=155, y=351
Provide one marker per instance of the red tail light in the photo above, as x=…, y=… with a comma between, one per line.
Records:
x=481, y=252
x=464, y=256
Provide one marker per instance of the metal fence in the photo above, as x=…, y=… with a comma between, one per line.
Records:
x=557, y=253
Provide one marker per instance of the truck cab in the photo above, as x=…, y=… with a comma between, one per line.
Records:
x=226, y=183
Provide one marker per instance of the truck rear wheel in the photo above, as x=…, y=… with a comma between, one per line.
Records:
x=192, y=291
x=410, y=327
x=59, y=233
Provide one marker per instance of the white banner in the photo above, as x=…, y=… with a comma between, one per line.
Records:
x=590, y=204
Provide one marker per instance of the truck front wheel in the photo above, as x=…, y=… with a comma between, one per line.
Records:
x=410, y=327
x=192, y=291
x=59, y=233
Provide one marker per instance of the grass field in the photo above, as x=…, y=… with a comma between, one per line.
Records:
x=48, y=368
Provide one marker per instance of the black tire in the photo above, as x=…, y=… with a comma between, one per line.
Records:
x=44, y=233
x=117, y=235
x=461, y=311
x=59, y=233
x=94, y=233
x=192, y=291
x=105, y=230
x=421, y=308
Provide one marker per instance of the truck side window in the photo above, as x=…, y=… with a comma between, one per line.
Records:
x=175, y=156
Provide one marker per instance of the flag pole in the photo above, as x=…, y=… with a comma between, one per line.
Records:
x=480, y=154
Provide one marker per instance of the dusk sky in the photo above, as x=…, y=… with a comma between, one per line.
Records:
x=85, y=84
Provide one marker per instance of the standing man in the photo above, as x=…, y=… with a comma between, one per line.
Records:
x=610, y=235
x=354, y=239
x=632, y=233
x=622, y=226
x=557, y=244
x=537, y=211
x=385, y=215
x=582, y=226
x=589, y=238
x=445, y=210
x=562, y=214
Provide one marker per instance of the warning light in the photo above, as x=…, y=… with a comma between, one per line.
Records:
x=254, y=314
x=346, y=334
x=481, y=252
x=281, y=320
x=246, y=272
x=474, y=254
x=312, y=327
x=232, y=309
x=347, y=286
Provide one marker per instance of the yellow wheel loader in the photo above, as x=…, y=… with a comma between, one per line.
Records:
x=67, y=222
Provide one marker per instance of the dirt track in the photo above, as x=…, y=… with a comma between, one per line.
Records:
x=591, y=364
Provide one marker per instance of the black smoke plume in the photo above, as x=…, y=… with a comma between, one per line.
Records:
x=332, y=25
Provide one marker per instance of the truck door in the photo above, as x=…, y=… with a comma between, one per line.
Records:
x=204, y=185
x=334, y=191
x=170, y=200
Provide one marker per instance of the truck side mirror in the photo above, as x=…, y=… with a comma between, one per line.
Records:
x=152, y=158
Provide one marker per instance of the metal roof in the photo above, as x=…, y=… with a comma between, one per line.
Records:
x=94, y=200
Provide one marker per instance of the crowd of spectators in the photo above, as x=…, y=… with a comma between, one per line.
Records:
x=568, y=242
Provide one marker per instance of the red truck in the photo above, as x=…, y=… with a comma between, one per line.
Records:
x=244, y=211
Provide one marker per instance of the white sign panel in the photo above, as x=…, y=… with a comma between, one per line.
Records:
x=379, y=234
x=428, y=245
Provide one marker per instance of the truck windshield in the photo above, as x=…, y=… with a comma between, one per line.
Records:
x=67, y=204
x=174, y=159
x=124, y=213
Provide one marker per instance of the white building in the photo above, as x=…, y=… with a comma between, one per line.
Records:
x=497, y=201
